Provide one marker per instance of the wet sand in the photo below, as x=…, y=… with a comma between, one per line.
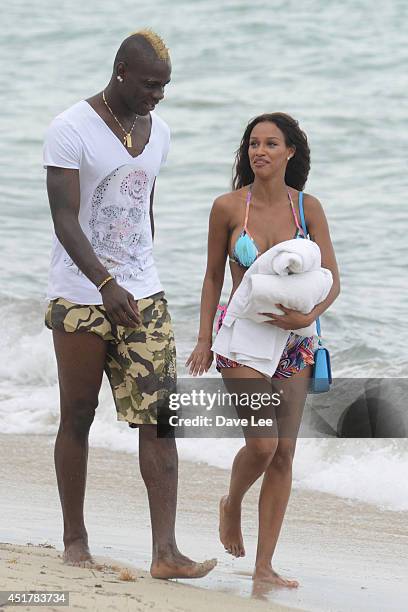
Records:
x=108, y=586
x=346, y=555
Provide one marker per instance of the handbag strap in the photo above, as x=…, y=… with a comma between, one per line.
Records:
x=304, y=227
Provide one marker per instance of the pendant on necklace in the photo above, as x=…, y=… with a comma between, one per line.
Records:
x=128, y=141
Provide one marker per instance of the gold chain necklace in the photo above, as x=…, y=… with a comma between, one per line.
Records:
x=127, y=141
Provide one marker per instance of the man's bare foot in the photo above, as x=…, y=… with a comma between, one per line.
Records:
x=267, y=574
x=179, y=566
x=77, y=553
x=230, y=529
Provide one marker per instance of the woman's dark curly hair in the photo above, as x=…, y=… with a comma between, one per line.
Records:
x=298, y=166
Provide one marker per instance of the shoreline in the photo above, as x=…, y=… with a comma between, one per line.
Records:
x=345, y=555
x=110, y=585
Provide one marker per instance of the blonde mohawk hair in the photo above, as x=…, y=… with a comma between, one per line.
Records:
x=156, y=42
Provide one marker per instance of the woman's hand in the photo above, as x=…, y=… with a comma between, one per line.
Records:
x=292, y=319
x=201, y=358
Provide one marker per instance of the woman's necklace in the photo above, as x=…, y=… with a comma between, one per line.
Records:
x=127, y=141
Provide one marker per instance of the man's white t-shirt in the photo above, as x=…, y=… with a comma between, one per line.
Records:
x=114, y=209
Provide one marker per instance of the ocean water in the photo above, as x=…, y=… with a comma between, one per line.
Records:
x=340, y=69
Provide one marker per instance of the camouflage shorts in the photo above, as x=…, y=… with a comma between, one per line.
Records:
x=140, y=362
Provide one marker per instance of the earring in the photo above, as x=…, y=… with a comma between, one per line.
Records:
x=289, y=158
x=120, y=79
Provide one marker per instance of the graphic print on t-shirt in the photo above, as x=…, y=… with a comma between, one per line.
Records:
x=120, y=232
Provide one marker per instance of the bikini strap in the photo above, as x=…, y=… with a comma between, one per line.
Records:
x=248, y=201
x=294, y=211
x=302, y=214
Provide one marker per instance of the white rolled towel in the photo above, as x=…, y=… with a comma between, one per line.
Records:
x=296, y=291
x=289, y=273
x=289, y=257
x=284, y=259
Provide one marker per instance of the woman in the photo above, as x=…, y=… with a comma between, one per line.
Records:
x=272, y=165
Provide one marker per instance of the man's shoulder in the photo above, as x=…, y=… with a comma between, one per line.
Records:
x=160, y=122
x=73, y=116
x=65, y=135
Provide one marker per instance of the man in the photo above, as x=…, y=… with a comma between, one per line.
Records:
x=107, y=309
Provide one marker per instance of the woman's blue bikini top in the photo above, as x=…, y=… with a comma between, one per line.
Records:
x=245, y=250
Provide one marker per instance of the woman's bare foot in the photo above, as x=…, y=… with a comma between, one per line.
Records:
x=230, y=529
x=267, y=574
x=77, y=553
x=179, y=566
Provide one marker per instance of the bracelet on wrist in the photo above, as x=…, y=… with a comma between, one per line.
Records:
x=104, y=282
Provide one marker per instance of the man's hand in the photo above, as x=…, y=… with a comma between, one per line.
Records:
x=120, y=305
x=292, y=319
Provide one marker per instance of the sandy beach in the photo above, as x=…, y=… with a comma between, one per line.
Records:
x=108, y=586
x=346, y=555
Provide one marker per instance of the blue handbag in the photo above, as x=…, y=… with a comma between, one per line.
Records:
x=322, y=376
